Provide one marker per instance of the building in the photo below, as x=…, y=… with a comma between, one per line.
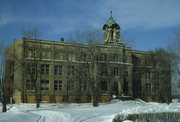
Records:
x=70, y=72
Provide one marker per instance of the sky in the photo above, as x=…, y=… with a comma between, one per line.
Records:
x=149, y=23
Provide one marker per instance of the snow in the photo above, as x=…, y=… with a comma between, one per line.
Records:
x=75, y=112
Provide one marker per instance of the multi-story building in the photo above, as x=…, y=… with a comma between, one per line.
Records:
x=61, y=71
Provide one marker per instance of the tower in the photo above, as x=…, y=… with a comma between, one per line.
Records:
x=111, y=31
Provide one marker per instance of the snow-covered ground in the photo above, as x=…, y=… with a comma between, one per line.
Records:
x=81, y=112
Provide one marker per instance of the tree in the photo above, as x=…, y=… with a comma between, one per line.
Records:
x=126, y=40
x=4, y=87
x=91, y=38
x=32, y=33
x=163, y=60
x=98, y=63
x=155, y=66
x=174, y=50
x=32, y=69
x=3, y=96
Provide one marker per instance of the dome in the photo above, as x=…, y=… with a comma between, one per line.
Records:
x=111, y=22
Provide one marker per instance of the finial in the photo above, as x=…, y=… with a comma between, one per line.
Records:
x=110, y=13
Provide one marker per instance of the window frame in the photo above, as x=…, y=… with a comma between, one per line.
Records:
x=70, y=85
x=29, y=85
x=45, y=69
x=58, y=70
x=45, y=85
x=116, y=71
x=71, y=70
x=58, y=85
x=83, y=85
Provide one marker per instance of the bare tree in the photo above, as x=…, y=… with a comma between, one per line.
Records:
x=32, y=69
x=32, y=33
x=91, y=38
x=96, y=66
x=3, y=97
x=174, y=49
x=126, y=40
x=163, y=59
x=5, y=90
x=156, y=66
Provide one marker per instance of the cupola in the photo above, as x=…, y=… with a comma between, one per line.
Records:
x=111, y=31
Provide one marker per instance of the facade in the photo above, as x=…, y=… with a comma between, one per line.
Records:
x=58, y=71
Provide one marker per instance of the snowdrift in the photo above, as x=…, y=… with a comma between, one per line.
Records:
x=149, y=117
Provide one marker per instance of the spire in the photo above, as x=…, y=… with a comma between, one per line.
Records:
x=110, y=14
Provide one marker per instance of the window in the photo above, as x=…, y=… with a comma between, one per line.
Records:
x=83, y=72
x=71, y=57
x=44, y=84
x=29, y=85
x=29, y=54
x=45, y=69
x=32, y=54
x=148, y=87
x=89, y=85
x=104, y=85
x=126, y=73
x=45, y=55
x=31, y=69
x=156, y=75
x=140, y=88
x=82, y=57
x=147, y=63
x=155, y=64
x=58, y=56
x=103, y=57
x=83, y=85
x=115, y=57
x=136, y=60
x=116, y=71
x=71, y=70
x=58, y=69
x=148, y=75
x=58, y=85
x=156, y=86
x=70, y=85
x=125, y=58
x=45, y=46
x=104, y=71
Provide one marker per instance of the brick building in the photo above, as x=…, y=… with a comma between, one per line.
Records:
x=67, y=72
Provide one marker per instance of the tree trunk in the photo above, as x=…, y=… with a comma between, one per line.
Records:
x=37, y=100
x=95, y=96
x=4, y=109
x=37, y=104
x=95, y=82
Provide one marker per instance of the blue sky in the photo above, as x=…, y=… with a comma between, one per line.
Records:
x=148, y=22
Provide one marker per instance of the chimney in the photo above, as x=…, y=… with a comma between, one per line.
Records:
x=62, y=39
